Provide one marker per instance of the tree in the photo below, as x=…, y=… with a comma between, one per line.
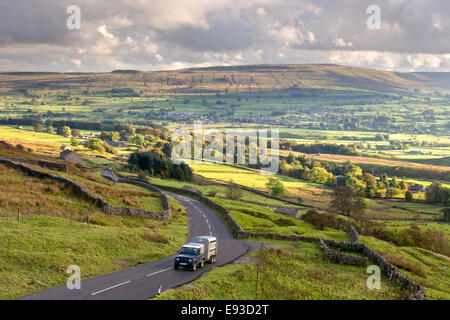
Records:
x=138, y=140
x=275, y=187
x=369, y=180
x=115, y=136
x=76, y=133
x=318, y=220
x=403, y=185
x=234, y=192
x=50, y=130
x=37, y=127
x=64, y=131
x=104, y=135
x=346, y=201
x=96, y=144
x=390, y=192
x=437, y=193
x=409, y=196
x=130, y=130
x=446, y=214
x=158, y=165
x=74, y=142
x=321, y=176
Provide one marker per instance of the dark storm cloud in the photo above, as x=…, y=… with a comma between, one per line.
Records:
x=222, y=36
x=33, y=22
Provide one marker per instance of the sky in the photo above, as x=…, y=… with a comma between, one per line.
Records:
x=149, y=35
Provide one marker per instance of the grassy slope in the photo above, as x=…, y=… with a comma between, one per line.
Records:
x=427, y=268
x=268, y=222
x=291, y=273
x=298, y=272
x=37, y=196
x=36, y=251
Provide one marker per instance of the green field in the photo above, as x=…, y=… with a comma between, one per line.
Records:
x=287, y=273
x=37, y=250
x=389, y=117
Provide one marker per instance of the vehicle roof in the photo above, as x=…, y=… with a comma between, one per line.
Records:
x=210, y=238
x=192, y=245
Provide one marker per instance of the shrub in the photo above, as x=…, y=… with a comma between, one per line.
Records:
x=282, y=222
x=404, y=264
x=408, y=196
x=446, y=214
x=275, y=187
x=159, y=165
x=436, y=193
x=318, y=220
x=234, y=192
x=212, y=193
x=142, y=176
x=74, y=142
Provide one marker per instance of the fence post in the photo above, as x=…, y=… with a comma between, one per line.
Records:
x=257, y=271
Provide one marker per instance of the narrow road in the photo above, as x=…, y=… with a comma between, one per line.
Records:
x=143, y=281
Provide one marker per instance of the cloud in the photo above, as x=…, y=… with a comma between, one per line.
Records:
x=339, y=42
x=151, y=35
x=104, y=32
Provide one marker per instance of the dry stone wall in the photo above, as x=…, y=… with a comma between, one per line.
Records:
x=329, y=246
x=417, y=291
x=104, y=206
x=62, y=167
x=341, y=258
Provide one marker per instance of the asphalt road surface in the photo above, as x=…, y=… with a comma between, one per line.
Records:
x=144, y=281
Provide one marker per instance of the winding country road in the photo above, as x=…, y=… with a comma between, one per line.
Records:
x=143, y=281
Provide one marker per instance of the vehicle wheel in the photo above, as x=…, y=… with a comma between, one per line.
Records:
x=202, y=264
x=194, y=266
x=176, y=267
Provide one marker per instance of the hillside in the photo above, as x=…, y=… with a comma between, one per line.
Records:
x=236, y=79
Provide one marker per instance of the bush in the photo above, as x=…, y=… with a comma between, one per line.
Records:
x=318, y=220
x=436, y=193
x=446, y=214
x=159, y=165
x=282, y=222
x=275, y=187
x=142, y=176
x=234, y=192
x=212, y=193
x=74, y=142
x=409, y=196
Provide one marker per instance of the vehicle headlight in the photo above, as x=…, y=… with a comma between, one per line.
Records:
x=178, y=259
x=190, y=260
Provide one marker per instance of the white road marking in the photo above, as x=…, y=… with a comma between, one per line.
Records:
x=117, y=285
x=151, y=274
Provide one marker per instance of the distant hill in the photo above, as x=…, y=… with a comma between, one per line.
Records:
x=247, y=79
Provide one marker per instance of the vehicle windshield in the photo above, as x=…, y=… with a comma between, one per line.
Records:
x=189, y=250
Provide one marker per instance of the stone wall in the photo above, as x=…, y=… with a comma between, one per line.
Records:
x=417, y=291
x=341, y=258
x=104, y=206
x=353, y=233
x=166, y=213
x=62, y=167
